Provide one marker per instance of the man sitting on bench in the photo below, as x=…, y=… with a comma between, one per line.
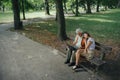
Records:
x=88, y=52
x=75, y=45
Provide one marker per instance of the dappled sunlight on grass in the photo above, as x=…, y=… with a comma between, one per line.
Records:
x=101, y=20
x=112, y=12
x=6, y=17
x=100, y=30
x=37, y=14
x=104, y=27
x=48, y=25
x=94, y=19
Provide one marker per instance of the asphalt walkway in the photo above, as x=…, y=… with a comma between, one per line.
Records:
x=24, y=59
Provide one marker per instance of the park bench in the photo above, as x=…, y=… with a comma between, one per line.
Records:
x=99, y=59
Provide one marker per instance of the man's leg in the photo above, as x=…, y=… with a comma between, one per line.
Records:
x=69, y=54
x=72, y=63
x=73, y=57
x=73, y=54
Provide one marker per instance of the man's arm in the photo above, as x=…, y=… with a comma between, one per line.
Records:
x=75, y=41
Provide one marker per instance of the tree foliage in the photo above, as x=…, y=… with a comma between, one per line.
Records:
x=110, y=3
x=67, y=4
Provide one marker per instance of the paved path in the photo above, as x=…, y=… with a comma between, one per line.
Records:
x=24, y=59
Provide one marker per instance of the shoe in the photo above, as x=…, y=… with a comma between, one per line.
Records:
x=66, y=62
x=75, y=67
x=71, y=64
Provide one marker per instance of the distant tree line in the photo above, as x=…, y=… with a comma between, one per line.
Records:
x=68, y=5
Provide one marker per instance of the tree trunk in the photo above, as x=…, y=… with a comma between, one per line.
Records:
x=84, y=6
x=56, y=17
x=118, y=6
x=47, y=7
x=3, y=8
x=106, y=8
x=23, y=9
x=61, y=20
x=65, y=7
x=88, y=7
x=16, y=11
x=77, y=5
x=98, y=5
x=72, y=8
x=0, y=4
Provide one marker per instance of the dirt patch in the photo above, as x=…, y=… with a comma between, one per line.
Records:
x=44, y=37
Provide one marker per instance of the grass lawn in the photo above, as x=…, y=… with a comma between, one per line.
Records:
x=8, y=15
x=104, y=26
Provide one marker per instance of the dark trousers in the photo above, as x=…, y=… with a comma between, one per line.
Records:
x=70, y=54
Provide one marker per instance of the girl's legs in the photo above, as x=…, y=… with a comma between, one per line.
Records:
x=77, y=57
x=78, y=53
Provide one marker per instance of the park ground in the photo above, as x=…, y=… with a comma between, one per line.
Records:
x=103, y=26
x=24, y=59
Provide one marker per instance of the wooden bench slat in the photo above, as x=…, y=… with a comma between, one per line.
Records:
x=97, y=61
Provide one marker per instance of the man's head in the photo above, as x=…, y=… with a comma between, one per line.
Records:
x=79, y=31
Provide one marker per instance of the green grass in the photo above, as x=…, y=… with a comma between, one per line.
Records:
x=6, y=17
x=104, y=26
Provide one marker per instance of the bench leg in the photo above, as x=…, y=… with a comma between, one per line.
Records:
x=97, y=69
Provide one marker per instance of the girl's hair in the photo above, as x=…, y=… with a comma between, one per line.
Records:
x=87, y=34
